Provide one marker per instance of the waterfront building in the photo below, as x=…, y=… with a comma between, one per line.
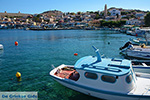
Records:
x=135, y=22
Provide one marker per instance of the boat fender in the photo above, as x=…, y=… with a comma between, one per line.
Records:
x=143, y=46
x=16, y=43
x=18, y=75
x=75, y=54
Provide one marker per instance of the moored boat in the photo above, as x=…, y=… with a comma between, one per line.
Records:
x=138, y=33
x=134, y=51
x=138, y=54
x=105, y=78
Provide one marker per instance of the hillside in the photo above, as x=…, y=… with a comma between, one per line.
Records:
x=13, y=14
x=52, y=13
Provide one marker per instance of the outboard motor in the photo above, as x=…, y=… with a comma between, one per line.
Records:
x=126, y=45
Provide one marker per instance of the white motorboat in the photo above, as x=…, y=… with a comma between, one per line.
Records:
x=138, y=53
x=134, y=51
x=138, y=33
x=105, y=78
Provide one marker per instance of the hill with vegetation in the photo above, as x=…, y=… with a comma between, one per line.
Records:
x=14, y=14
x=52, y=13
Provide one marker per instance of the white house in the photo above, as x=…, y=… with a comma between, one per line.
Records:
x=114, y=12
x=110, y=18
x=134, y=22
x=140, y=14
x=123, y=16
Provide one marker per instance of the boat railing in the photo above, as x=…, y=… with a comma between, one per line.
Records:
x=119, y=66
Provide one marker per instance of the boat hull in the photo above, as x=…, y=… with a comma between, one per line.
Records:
x=99, y=93
x=137, y=54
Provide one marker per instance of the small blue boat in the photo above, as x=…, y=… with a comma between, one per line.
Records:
x=105, y=78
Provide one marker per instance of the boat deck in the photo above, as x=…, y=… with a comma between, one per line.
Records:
x=110, y=66
x=142, y=87
x=146, y=47
x=68, y=73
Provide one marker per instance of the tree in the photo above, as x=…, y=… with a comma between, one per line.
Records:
x=112, y=23
x=72, y=13
x=117, y=15
x=108, y=13
x=129, y=12
x=124, y=13
x=97, y=16
x=91, y=12
x=36, y=19
x=102, y=13
x=38, y=16
x=79, y=13
x=122, y=22
x=132, y=16
x=147, y=19
x=96, y=12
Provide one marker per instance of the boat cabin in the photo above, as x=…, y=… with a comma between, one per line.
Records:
x=108, y=74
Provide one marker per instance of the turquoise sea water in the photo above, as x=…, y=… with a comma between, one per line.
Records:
x=38, y=50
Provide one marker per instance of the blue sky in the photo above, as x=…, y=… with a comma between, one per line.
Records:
x=39, y=6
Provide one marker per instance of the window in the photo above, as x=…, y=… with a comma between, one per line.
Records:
x=110, y=79
x=90, y=75
x=129, y=78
